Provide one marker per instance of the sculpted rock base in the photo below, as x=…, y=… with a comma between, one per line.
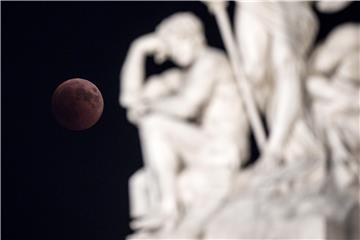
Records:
x=244, y=219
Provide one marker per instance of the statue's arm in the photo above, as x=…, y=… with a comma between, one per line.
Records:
x=162, y=85
x=132, y=75
x=319, y=88
x=195, y=92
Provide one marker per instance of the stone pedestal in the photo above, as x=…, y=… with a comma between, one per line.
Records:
x=237, y=222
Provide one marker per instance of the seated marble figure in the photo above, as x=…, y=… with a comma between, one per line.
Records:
x=192, y=127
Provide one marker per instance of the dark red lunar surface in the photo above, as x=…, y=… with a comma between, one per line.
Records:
x=77, y=104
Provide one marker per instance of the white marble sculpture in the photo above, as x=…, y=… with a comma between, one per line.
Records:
x=194, y=124
x=193, y=129
x=325, y=205
x=334, y=88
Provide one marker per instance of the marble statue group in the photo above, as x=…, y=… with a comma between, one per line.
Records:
x=195, y=120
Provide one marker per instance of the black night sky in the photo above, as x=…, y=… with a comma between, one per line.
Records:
x=62, y=184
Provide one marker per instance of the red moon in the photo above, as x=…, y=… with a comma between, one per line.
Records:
x=77, y=104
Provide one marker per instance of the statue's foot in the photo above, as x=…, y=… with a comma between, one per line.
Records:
x=156, y=221
x=172, y=233
x=147, y=222
x=139, y=235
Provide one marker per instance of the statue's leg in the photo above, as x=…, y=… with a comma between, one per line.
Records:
x=163, y=140
x=137, y=193
x=209, y=188
x=206, y=184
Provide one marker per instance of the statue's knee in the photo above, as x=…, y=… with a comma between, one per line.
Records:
x=138, y=193
x=152, y=121
x=137, y=179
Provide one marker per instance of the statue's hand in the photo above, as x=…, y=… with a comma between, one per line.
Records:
x=152, y=45
x=137, y=111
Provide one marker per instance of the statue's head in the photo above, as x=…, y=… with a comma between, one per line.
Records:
x=184, y=37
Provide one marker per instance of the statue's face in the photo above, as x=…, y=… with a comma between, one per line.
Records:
x=182, y=49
